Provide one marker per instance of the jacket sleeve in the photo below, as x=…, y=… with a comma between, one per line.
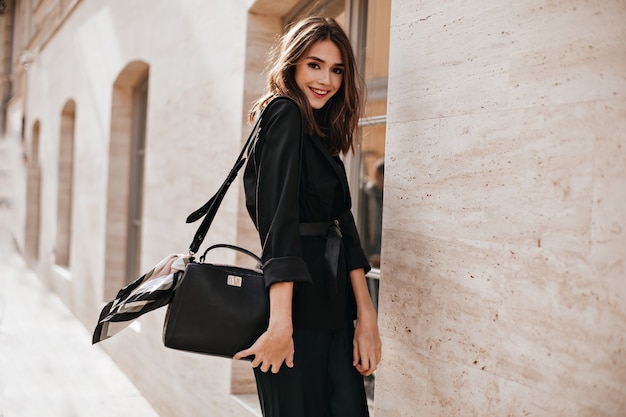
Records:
x=278, y=179
x=355, y=256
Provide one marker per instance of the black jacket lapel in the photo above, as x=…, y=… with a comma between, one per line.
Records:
x=336, y=165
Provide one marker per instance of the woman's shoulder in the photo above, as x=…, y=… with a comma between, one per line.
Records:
x=281, y=106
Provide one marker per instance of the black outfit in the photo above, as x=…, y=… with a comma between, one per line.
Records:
x=297, y=195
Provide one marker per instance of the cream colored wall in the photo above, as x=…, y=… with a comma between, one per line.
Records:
x=502, y=289
x=195, y=50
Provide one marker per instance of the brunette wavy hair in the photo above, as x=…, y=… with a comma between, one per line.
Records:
x=338, y=120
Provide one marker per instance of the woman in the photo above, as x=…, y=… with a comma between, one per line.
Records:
x=312, y=359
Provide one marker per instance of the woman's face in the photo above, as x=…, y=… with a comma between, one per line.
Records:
x=319, y=73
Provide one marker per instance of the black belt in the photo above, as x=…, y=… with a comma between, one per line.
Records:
x=332, y=232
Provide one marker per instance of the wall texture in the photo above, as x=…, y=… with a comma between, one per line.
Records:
x=504, y=244
x=195, y=52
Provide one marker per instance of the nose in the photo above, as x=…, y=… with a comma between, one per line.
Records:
x=324, y=77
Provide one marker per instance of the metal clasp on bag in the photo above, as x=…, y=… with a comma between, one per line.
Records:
x=234, y=281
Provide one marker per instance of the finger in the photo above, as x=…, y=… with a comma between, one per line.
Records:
x=289, y=360
x=275, y=368
x=265, y=367
x=356, y=355
x=366, y=363
x=360, y=370
x=242, y=354
x=365, y=371
x=372, y=368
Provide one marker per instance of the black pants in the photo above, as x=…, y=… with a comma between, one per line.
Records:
x=322, y=383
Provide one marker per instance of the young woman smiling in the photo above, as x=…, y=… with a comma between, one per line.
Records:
x=311, y=360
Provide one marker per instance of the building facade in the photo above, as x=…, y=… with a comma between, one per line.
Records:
x=499, y=245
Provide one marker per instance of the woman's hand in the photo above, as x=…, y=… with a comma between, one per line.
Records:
x=275, y=346
x=271, y=349
x=367, y=346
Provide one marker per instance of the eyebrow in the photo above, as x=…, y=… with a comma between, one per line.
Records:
x=314, y=58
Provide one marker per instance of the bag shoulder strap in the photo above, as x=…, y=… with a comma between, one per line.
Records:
x=209, y=209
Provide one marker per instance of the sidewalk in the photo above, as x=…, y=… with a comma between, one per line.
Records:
x=48, y=367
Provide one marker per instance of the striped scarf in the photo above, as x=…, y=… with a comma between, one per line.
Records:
x=149, y=292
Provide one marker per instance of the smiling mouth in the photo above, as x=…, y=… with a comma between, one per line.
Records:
x=319, y=93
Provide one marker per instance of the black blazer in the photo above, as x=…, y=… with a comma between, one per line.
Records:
x=288, y=181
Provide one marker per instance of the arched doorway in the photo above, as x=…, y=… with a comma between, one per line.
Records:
x=125, y=185
x=33, y=198
x=65, y=179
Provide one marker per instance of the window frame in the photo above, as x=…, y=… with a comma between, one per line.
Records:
x=356, y=24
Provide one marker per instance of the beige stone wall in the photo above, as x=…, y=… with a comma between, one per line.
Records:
x=195, y=53
x=503, y=282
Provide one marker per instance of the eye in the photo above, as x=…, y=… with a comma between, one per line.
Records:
x=338, y=70
x=314, y=65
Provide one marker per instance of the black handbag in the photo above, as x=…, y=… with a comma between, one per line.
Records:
x=217, y=309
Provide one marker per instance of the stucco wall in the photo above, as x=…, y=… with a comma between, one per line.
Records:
x=503, y=272
x=195, y=51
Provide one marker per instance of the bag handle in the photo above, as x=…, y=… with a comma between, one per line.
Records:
x=233, y=247
x=209, y=209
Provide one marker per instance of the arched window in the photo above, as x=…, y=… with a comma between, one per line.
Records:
x=33, y=198
x=126, y=172
x=65, y=179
